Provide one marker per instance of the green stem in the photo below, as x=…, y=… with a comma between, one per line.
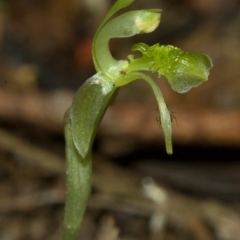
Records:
x=81, y=124
x=79, y=171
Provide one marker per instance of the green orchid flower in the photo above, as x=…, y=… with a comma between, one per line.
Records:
x=183, y=71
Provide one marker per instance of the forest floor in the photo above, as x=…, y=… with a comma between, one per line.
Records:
x=139, y=192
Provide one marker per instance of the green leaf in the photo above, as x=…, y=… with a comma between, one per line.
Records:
x=88, y=107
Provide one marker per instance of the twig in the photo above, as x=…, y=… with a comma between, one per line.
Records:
x=31, y=154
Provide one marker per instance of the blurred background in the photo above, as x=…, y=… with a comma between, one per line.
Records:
x=139, y=192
